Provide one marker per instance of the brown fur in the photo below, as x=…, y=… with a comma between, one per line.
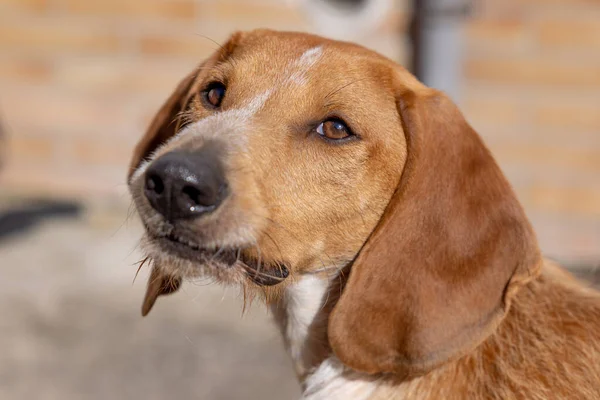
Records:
x=547, y=347
x=439, y=270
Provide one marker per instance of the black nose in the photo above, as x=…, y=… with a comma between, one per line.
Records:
x=182, y=185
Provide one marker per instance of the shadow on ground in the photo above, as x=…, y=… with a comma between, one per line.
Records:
x=18, y=220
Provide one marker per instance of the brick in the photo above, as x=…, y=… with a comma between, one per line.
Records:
x=524, y=173
x=565, y=200
x=64, y=182
x=586, y=117
x=66, y=112
x=164, y=9
x=529, y=135
x=86, y=151
x=491, y=110
x=31, y=70
x=585, y=160
x=30, y=6
x=132, y=77
x=39, y=149
x=550, y=3
x=570, y=33
x=56, y=38
x=244, y=15
x=570, y=238
x=534, y=71
x=183, y=45
x=491, y=34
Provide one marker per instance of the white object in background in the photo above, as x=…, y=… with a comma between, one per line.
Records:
x=345, y=20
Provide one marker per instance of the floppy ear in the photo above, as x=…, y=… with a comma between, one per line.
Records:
x=165, y=123
x=436, y=276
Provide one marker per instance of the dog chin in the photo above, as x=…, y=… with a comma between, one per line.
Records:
x=189, y=261
x=228, y=265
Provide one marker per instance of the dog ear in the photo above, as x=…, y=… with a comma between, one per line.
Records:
x=159, y=284
x=436, y=276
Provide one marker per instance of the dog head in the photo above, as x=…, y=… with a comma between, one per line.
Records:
x=285, y=153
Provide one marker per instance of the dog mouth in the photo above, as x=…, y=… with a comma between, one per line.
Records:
x=188, y=250
x=262, y=274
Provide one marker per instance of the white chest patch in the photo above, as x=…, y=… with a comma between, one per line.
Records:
x=303, y=301
x=330, y=380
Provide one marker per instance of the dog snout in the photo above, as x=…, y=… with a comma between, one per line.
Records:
x=186, y=184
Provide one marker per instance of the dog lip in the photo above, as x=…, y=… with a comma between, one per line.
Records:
x=194, y=252
x=173, y=244
x=174, y=238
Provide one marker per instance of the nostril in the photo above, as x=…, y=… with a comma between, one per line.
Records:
x=199, y=197
x=155, y=184
x=192, y=193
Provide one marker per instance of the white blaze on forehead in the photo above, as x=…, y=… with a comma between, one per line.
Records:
x=310, y=57
x=300, y=67
x=257, y=103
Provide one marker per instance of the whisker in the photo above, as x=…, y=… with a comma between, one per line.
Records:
x=255, y=240
x=245, y=299
x=220, y=46
x=343, y=87
x=130, y=211
x=266, y=275
x=275, y=243
x=204, y=281
x=141, y=264
x=217, y=253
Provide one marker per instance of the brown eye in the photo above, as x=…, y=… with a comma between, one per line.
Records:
x=214, y=94
x=333, y=129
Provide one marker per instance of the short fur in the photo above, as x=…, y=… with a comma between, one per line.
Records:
x=413, y=271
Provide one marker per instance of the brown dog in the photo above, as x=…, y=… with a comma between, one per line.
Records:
x=360, y=203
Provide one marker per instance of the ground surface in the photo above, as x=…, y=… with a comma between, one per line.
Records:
x=70, y=325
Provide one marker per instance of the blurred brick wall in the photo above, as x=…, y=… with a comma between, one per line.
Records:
x=80, y=79
x=532, y=90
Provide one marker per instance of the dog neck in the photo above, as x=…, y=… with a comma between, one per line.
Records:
x=303, y=312
x=302, y=316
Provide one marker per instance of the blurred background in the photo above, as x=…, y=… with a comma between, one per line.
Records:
x=79, y=82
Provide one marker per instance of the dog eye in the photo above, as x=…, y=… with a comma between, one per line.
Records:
x=214, y=94
x=333, y=129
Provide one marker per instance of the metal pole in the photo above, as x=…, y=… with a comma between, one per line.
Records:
x=436, y=37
